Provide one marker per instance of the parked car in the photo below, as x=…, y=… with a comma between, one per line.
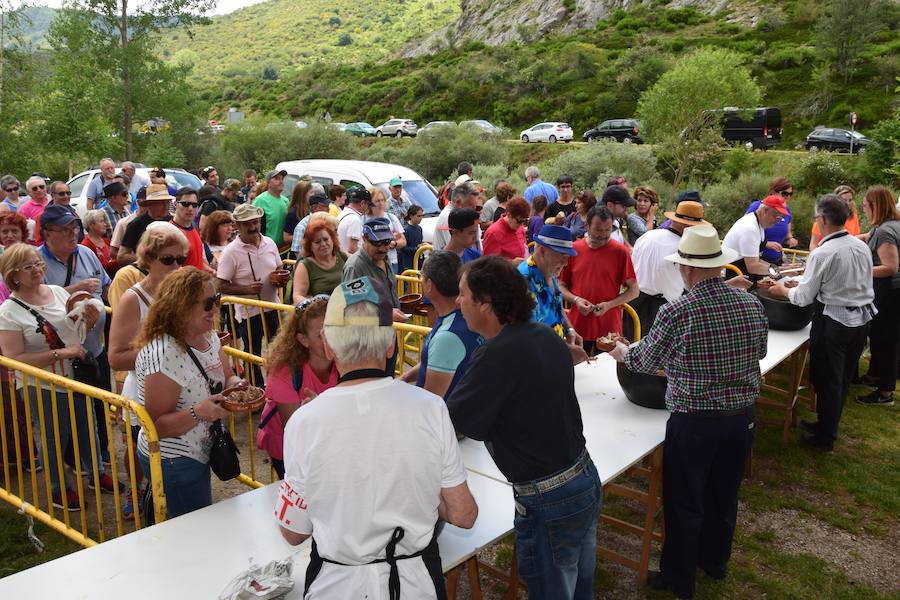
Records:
x=484, y=126
x=359, y=129
x=301, y=124
x=826, y=138
x=551, y=131
x=367, y=174
x=175, y=177
x=397, y=127
x=432, y=125
x=338, y=125
x=621, y=130
x=754, y=127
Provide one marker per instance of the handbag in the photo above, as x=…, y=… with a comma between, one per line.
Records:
x=223, y=454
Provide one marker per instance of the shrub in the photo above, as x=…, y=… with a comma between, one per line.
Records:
x=728, y=201
x=882, y=159
x=161, y=150
x=344, y=40
x=736, y=161
x=592, y=165
x=819, y=173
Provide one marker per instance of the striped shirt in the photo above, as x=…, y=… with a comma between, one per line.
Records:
x=165, y=355
x=839, y=275
x=114, y=216
x=710, y=342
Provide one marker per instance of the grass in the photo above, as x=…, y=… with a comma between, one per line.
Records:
x=17, y=553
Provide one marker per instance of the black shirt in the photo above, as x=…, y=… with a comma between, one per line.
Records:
x=556, y=208
x=211, y=204
x=518, y=395
x=136, y=229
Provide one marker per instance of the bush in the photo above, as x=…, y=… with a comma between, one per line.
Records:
x=161, y=150
x=736, y=161
x=592, y=165
x=882, y=157
x=819, y=173
x=728, y=201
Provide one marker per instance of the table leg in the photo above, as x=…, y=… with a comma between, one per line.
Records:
x=653, y=504
x=474, y=579
x=453, y=581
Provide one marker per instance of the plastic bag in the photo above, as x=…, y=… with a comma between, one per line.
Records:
x=271, y=581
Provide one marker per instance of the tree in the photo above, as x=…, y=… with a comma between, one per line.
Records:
x=675, y=112
x=123, y=42
x=845, y=29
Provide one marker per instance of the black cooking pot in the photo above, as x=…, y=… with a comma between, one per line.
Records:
x=782, y=315
x=642, y=389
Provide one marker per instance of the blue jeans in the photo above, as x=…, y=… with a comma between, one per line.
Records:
x=61, y=400
x=556, y=537
x=186, y=482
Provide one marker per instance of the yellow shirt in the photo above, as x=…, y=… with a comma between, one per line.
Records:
x=333, y=210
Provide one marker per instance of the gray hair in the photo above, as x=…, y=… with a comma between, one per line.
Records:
x=31, y=179
x=128, y=165
x=833, y=209
x=6, y=180
x=359, y=344
x=532, y=171
x=107, y=159
x=93, y=216
x=317, y=188
x=461, y=193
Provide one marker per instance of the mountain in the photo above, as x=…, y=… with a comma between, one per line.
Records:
x=34, y=24
x=279, y=37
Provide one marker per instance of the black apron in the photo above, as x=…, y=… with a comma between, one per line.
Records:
x=742, y=265
x=430, y=554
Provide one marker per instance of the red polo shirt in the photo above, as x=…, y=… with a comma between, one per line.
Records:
x=195, y=246
x=501, y=240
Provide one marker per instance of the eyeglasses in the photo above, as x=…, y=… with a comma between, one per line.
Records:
x=212, y=301
x=12, y=189
x=522, y=221
x=32, y=266
x=189, y=204
x=169, y=259
x=67, y=193
x=381, y=243
x=305, y=304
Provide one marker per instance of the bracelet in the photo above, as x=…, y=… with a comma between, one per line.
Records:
x=194, y=414
x=55, y=355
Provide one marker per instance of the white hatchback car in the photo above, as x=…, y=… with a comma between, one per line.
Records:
x=176, y=178
x=547, y=132
x=367, y=174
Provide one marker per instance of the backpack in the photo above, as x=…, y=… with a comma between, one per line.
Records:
x=296, y=383
x=444, y=194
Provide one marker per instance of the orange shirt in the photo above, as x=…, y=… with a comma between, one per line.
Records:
x=852, y=226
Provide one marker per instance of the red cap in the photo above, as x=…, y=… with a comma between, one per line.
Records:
x=776, y=201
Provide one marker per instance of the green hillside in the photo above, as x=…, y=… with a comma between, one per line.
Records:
x=583, y=78
x=283, y=35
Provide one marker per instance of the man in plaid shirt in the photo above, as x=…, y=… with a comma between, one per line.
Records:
x=710, y=342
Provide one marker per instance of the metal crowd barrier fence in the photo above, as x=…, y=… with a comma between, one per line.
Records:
x=41, y=410
x=792, y=255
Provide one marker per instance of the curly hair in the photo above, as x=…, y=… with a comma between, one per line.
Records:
x=314, y=227
x=504, y=192
x=650, y=193
x=496, y=280
x=285, y=349
x=169, y=312
x=210, y=232
x=518, y=208
x=16, y=220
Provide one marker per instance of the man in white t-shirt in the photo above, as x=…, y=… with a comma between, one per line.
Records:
x=464, y=196
x=350, y=221
x=658, y=279
x=370, y=466
x=747, y=236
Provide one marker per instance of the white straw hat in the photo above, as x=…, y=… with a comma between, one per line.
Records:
x=700, y=247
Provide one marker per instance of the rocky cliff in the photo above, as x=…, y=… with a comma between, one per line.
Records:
x=498, y=22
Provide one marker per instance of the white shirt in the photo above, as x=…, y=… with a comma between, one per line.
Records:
x=745, y=236
x=137, y=182
x=350, y=225
x=442, y=236
x=839, y=275
x=655, y=275
x=617, y=232
x=359, y=462
x=165, y=355
x=119, y=232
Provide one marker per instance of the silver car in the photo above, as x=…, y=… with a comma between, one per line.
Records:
x=398, y=128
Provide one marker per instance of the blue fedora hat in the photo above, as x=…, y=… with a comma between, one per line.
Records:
x=556, y=238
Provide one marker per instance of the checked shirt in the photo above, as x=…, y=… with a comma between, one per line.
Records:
x=710, y=342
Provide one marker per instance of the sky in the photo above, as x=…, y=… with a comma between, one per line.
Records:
x=222, y=6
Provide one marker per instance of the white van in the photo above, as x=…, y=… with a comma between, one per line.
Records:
x=367, y=174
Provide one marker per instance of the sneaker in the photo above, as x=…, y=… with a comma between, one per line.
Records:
x=71, y=503
x=106, y=484
x=129, y=504
x=868, y=381
x=815, y=441
x=876, y=399
x=810, y=426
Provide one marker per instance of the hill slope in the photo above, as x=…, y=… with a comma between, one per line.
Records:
x=285, y=35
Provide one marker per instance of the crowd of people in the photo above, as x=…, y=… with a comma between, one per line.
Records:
x=518, y=288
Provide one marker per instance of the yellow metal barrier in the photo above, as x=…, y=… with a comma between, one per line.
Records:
x=793, y=255
x=734, y=269
x=417, y=257
x=635, y=320
x=36, y=401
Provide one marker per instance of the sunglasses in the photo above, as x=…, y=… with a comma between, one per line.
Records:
x=522, y=221
x=12, y=189
x=212, y=301
x=38, y=187
x=305, y=304
x=189, y=204
x=381, y=243
x=62, y=193
x=169, y=259
x=786, y=193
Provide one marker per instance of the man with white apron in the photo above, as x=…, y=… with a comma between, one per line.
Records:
x=371, y=465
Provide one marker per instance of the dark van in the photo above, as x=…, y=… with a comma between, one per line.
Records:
x=754, y=128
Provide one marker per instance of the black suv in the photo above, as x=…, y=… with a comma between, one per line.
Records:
x=826, y=138
x=622, y=130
